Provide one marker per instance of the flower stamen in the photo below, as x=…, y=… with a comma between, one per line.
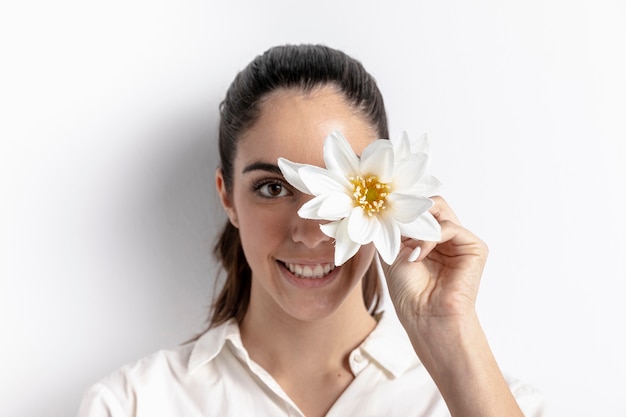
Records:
x=370, y=193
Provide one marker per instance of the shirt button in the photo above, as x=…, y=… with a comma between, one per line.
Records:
x=358, y=362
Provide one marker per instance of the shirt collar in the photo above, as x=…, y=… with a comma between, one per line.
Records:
x=210, y=344
x=387, y=346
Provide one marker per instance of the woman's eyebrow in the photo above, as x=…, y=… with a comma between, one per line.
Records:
x=262, y=166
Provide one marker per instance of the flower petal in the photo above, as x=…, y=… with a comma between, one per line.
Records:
x=377, y=159
x=401, y=146
x=427, y=186
x=336, y=206
x=310, y=209
x=339, y=156
x=322, y=181
x=290, y=172
x=387, y=241
x=345, y=248
x=332, y=207
x=409, y=171
x=425, y=227
x=330, y=228
x=361, y=227
x=405, y=208
x=421, y=144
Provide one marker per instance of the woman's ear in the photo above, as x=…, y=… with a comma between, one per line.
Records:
x=226, y=198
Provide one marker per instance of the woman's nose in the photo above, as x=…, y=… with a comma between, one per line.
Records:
x=308, y=231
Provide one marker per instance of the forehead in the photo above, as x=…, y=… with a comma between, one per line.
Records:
x=293, y=125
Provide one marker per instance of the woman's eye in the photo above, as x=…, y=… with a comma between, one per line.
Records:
x=273, y=189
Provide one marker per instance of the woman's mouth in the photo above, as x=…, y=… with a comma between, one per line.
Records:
x=315, y=271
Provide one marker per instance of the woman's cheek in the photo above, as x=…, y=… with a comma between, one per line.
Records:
x=265, y=225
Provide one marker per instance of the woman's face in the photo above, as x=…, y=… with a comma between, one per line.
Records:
x=291, y=259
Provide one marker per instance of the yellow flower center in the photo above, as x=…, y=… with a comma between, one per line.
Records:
x=370, y=193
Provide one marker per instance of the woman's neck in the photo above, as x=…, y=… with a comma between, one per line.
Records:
x=279, y=342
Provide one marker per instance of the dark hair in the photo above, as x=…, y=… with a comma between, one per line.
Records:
x=301, y=67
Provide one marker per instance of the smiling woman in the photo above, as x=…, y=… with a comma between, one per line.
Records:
x=295, y=331
x=272, y=234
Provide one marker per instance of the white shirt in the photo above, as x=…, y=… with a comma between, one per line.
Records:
x=214, y=376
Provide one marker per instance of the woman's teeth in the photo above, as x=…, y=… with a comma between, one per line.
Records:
x=310, y=271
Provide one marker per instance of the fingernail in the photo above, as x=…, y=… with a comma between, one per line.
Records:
x=415, y=254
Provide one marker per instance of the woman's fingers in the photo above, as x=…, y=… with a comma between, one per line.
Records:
x=442, y=211
x=415, y=254
x=444, y=215
x=449, y=230
x=452, y=234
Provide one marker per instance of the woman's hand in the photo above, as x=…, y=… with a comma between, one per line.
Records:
x=435, y=298
x=442, y=284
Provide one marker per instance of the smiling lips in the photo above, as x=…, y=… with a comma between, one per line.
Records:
x=310, y=271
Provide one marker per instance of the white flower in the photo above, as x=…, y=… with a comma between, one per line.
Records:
x=379, y=197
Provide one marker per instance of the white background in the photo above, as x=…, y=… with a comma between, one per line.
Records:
x=107, y=155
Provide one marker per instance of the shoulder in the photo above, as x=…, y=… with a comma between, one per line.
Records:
x=117, y=393
x=163, y=364
x=148, y=384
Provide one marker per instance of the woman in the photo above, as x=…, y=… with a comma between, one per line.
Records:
x=293, y=334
